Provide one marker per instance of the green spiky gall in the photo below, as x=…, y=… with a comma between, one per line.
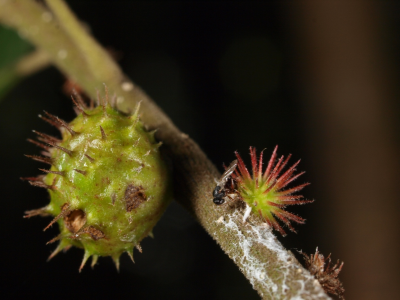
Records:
x=108, y=182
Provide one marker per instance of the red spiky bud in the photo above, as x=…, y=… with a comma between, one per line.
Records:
x=266, y=191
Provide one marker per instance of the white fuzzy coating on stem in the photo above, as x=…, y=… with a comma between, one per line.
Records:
x=246, y=213
x=259, y=273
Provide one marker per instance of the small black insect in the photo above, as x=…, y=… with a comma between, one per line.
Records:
x=218, y=196
x=219, y=192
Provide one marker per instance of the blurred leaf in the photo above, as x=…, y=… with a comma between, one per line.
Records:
x=12, y=48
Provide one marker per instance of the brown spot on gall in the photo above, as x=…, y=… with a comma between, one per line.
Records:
x=113, y=197
x=75, y=220
x=95, y=233
x=134, y=196
x=105, y=181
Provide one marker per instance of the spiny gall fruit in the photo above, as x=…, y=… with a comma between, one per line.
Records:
x=108, y=183
x=264, y=191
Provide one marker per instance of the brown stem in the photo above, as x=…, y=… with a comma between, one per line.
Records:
x=273, y=271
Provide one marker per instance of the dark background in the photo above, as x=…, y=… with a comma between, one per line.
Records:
x=319, y=80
